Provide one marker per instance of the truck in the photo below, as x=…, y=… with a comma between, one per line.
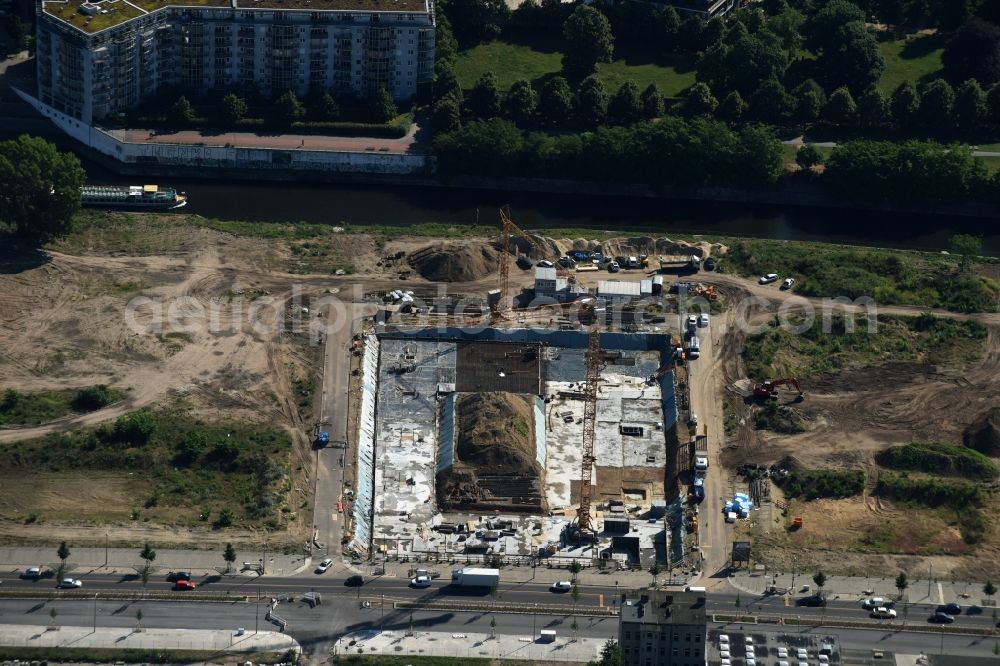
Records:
x=475, y=577
x=699, y=455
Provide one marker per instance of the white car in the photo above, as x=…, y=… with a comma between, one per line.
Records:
x=782, y=653
x=873, y=602
x=883, y=613
x=783, y=663
x=703, y=320
x=724, y=639
x=750, y=661
x=324, y=565
x=70, y=583
x=787, y=283
x=421, y=581
x=545, y=263
x=769, y=278
x=692, y=322
x=748, y=640
x=724, y=654
x=725, y=662
x=562, y=586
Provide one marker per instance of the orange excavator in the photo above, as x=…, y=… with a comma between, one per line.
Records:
x=769, y=388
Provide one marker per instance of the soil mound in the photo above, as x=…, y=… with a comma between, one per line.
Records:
x=454, y=262
x=984, y=434
x=495, y=434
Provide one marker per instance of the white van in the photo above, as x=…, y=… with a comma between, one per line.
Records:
x=693, y=347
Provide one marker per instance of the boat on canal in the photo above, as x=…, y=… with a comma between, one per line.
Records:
x=139, y=197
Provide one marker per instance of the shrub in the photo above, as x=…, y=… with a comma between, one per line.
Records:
x=92, y=398
x=135, y=428
x=815, y=483
x=939, y=458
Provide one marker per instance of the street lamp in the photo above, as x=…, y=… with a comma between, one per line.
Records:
x=95, y=612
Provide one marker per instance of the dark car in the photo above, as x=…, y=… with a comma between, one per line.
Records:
x=565, y=262
x=354, y=581
x=814, y=600
x=709, y=264
x=941, y=617
x=175, y=576
x=950, y=609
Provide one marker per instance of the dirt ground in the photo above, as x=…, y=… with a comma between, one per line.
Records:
x=850, y=416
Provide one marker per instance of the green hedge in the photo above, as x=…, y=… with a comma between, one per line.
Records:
x=939, y=458
x=816, y=483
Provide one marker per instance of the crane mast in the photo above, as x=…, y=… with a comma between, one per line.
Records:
x=507, y=229
x=589, y=423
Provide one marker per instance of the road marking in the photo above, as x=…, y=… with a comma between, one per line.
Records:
x=600, y=599
x=788, y=601
x=940, y=594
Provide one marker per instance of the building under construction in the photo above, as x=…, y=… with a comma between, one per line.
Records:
x=475, y=444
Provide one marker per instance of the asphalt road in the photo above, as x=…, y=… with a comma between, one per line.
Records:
x=317, y=628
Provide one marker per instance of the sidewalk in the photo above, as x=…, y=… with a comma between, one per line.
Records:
x=21, y=635
x=127, y=560
x=471, y=646
x=857, y=587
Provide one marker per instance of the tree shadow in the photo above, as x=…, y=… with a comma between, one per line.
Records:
x=19, y=256
x=922, y=46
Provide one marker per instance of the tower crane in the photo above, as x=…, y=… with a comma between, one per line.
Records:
x=507, y=229
x=589, y=424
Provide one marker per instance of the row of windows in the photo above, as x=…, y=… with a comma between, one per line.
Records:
x=650, y=635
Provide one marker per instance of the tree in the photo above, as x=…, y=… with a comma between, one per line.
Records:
x=970, y=106
x=575, y=626
x=760, y=158
x=556, y=101
x=63, y=553
x=53, y=613
x=493, y=625
x=476, y=20
x=588, y=41
x=484, y=98
x=138, y=619
x=147, y=554
x=904, y=105
x=820, y=579
x=480, y=148
x=446, y=83
x=732, y=108
x=381, y=106
x=229, y=555
x=445, y=44
x=40, y=186
x=574, y=568
x=91, y=398
x=809, y=100
x=936, y=105
x=288, y=108
x=821, y=28
x=699, y=101
x=787, y=25
x=446, y=115
x=225, y=519
x=966, y=246
x=744, y=66
x=771, y=104
x=326, y=108
x=611, y=655
x=521, y=102
x=902, y=583
x=575, y=592
x=591, y=102
x=233, y=109
x=181, y=112
x=841, y=108
x=654, y=571
x=974, y=52
x=989, y=589
x=808, y=156
x=652, y=100
x=853, y=58
x=993, y=105
x=873, y=109
x=626, y=106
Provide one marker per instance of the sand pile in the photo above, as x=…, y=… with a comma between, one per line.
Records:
x=552, y=247
x=454, y=262
x=984, y=434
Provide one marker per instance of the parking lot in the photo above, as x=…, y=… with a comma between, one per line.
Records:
x=756, y=648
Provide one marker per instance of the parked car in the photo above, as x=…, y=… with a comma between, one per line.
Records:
x=787, y=283
x=769, y=278
x=883, y=613
x=354, y=581
x=324, y=565
x=813, y=600
x=940, y=617
x=545, y=263
x=565, y=262
x=562, y=586
x=703, y=320
x=614, y=267
x=183, y=585
x=692, y=322
x=709, y=264
x=70, y=583
x=32, y=573
x=421, y=581
x=175, y=576
x=875, y=602
x=951, y=609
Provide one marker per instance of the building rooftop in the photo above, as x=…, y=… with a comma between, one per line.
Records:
x=618, y=288
x=666, y=607
x=543, y=273
x=99, y=15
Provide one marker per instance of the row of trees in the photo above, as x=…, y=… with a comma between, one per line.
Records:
x=39, y=188
x=232, y=109
x=673, y=152
x=147, y=554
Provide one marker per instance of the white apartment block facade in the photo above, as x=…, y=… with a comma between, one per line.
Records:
x=267, y=46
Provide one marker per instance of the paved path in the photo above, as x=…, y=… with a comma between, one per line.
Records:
x=26, y=635
x=473, y=645
x=404, y=145
x=801, y=141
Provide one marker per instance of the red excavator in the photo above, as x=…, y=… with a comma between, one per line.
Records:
x=769, y=389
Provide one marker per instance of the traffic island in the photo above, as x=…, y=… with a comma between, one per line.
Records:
x=64, y=643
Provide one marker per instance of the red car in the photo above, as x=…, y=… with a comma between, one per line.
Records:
x=184, y=585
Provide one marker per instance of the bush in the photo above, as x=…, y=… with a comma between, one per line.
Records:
x=939, y=458
x=92, y=398
x=815, y=483
x=929, y=492
x=134, y=428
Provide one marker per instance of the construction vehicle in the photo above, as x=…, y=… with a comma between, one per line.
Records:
x=769, y=388
x=678, y=359
x=507, y=228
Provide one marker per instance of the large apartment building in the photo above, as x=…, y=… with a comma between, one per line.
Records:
x=662, y=628
x=97, y=58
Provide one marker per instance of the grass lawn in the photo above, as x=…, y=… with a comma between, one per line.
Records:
x=536, y=58
x=992, y=163
x=915, y=58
